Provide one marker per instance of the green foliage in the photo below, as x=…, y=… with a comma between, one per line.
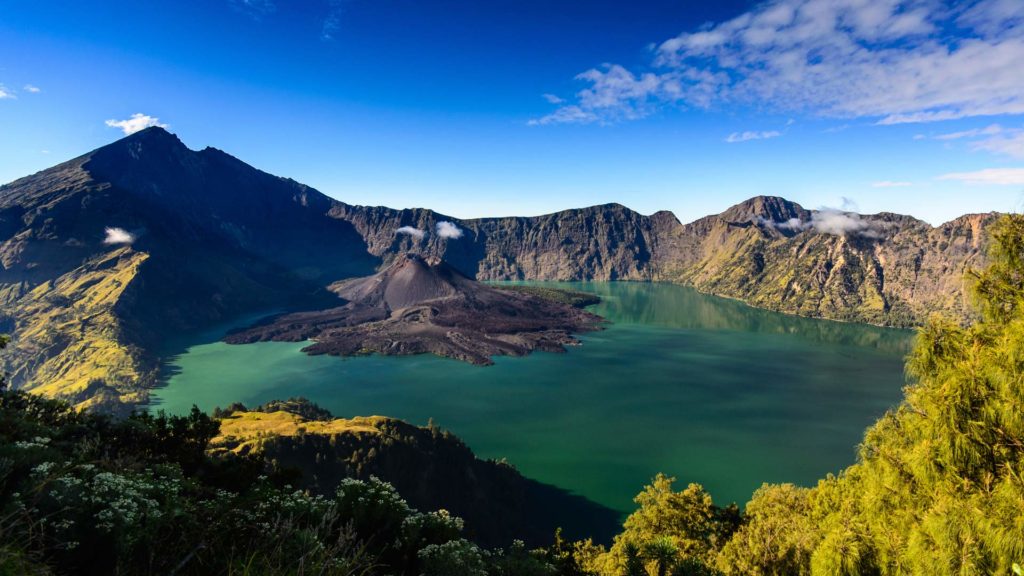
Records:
x=669, y=533
x=778, y=537
x=84, y=493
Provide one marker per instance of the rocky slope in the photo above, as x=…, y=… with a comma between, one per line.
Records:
x=882, y=269
x=198, y=237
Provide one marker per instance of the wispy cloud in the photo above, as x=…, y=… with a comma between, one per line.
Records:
x=32, y=89
x=256, y=9
x=973, y=133
x=1008, y=143
x=992, y=138
x=135, y=123
x=335, y=10
x=895, y=61
x=6, y=94
x=448, y=230
x=990, y=176
x=749, y=135
x=890, y=184
x=552, y=99
x=566, y=115
x=614, y=93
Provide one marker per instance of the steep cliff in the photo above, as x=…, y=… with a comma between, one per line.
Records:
x=609, y=242
x=885, y=269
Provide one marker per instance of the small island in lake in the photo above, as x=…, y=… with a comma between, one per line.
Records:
x=423, y=305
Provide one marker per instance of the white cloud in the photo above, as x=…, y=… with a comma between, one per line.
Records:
x=897, y=61
x=411, y=231
x=890, y=184
x=32, y=89
x=6, y=94
x=552, y=99
x=995, y=176
x=840, y=223
x=135, y=123
x=828, y=221
x=794, y=224
x=118, y=236
x=749, y=135
x=449, y=230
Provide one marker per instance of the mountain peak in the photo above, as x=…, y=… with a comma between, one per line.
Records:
x=154, y=135
x=774, y=208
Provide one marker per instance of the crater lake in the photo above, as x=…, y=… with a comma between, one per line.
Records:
x=702, y=388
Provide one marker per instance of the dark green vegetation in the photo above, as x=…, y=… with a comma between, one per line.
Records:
x=937, y=489
x=216, y=238
x=430, y=468
x=563, y=296
x=81, y=493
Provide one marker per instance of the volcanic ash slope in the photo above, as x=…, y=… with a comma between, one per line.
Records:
x=420, y=305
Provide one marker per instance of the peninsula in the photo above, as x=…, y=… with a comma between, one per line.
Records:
x=422, y=305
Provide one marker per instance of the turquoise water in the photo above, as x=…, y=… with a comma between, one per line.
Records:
x=702, y=388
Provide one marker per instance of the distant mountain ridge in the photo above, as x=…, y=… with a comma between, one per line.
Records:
x=203, y=237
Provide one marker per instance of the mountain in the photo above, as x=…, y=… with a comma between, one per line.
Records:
x=422, y=305
x=104, y=257
x=194, y=238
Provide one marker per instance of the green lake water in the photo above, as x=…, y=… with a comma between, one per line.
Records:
x=701, y=388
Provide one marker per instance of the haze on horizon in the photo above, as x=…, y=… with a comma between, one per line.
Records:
x=528, y=107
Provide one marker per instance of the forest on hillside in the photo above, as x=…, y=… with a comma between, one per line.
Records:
x=938, y=488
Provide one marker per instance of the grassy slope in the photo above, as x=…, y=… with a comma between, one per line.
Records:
x=73, y=342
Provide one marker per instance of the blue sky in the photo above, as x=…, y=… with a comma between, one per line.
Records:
x=500, y=107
